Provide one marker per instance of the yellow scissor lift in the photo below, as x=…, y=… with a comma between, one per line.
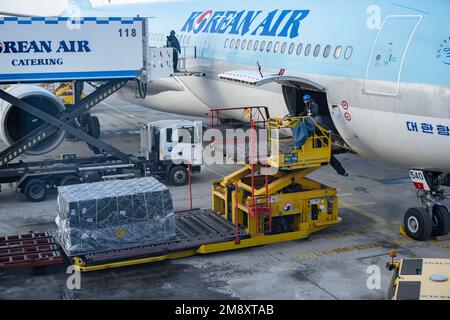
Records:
x=265, y=203
x=277, y=202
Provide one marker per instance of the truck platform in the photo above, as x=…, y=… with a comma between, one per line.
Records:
x=195, y=228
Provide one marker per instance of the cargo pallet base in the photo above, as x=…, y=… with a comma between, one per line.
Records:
x=194, y=228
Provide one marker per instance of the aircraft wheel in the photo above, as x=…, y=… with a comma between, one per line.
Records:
x=418, y=224
x=441, y=221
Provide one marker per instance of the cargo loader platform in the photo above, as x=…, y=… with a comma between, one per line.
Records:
x=195, y=229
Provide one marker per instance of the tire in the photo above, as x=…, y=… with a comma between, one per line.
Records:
x=93, y=129
x=441, y=221
x=178, y=176
x=69, y=180
x=93, y=125
x=36, y=190
x=418, y=224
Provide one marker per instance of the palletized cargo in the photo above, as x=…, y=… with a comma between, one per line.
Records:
x=114, y=215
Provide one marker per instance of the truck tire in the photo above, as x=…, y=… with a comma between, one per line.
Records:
x=93, y=125
x=93, y=129
x=36, y=190
x=70, y=180
x=418, y=224
x=178, y=176
x=441, y=221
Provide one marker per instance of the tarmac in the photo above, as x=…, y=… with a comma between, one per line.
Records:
x=344, y=262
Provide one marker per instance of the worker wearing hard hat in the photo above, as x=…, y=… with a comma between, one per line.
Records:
x=172, y=42
x=312, y=110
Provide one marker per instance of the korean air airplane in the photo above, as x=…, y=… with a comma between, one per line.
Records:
x=379, y=69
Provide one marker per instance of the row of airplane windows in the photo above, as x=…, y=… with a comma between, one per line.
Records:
x=283, y=48
x=272, y=46
x=160, y=37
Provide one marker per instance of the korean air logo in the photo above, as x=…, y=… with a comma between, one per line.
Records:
x=276, y=23
x=443, y=51
x=202, y=21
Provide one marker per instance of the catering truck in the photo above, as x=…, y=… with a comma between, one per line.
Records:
x=34, y=121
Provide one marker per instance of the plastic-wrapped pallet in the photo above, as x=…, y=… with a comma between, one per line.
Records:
x=114, y=214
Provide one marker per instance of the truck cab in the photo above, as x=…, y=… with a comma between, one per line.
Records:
x=173, y=146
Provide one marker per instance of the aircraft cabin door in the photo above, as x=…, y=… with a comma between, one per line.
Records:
x=388, y=54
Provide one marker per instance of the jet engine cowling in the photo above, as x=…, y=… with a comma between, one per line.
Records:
x=16, y=123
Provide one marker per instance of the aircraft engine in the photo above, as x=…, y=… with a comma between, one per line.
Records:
x=15, y=123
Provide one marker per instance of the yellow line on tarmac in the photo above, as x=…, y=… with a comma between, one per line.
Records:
x=393, y=225
x=375, y=217
x=345, y=194
x=368, y=246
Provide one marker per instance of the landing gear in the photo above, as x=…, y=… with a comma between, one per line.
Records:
x=441, y=221
x=433, y=219
x=417, y=224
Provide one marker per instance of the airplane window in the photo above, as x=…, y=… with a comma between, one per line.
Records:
x=299, y=49
x=326, y=51
x=250, y=44
x=226, y=43
x=232, y=44
x=263, y=45
x=269, y=46
x=337, y=52
x=348, y=52
x=161, y=37
x=181, y=39
x=238, y=43
x=256, y=46
x=317, y=50
x=291, y=48
x=308, y=49
x=276, y=47
x=244, y=43
x=283, y=47
x=188, y=40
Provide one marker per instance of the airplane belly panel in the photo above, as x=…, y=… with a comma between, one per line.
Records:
x=411, y=141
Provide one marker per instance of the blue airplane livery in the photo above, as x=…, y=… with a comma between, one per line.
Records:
x=275, y=24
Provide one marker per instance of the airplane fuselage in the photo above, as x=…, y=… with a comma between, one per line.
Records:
x=384, y=66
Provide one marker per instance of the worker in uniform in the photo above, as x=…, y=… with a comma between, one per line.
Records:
x=172, y=42
x=312, y=110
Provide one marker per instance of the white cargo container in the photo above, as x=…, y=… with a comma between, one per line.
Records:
x=38, y=49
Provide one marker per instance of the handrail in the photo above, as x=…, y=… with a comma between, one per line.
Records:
x=292, y=122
